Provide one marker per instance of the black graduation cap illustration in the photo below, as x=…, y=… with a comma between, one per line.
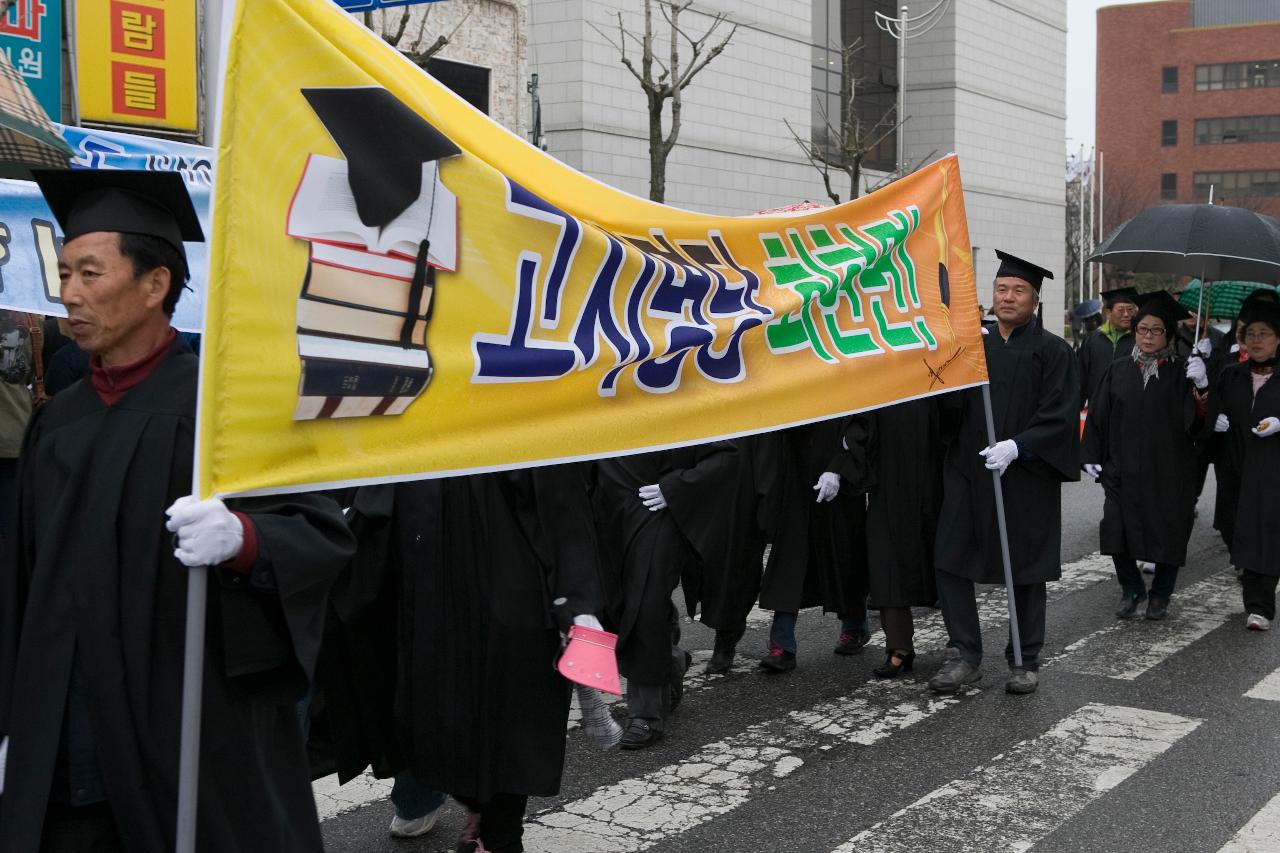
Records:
x=1118, y=295
x=385, y=143
x=123, y=201
x=1015, y=267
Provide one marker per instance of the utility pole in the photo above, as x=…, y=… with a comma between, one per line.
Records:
x=903, y=28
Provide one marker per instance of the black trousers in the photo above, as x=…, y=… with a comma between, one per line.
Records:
x=82, y=829
x=501, y=821
x=960, y=612
x=1130, y=577
x=1259, y=593
x=899, y=629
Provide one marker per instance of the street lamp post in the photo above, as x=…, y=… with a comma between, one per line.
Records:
x=903, y=28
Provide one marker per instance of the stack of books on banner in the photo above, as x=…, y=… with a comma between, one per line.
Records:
x=354, y=308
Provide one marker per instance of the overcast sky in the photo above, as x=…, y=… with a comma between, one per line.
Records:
x=1081, y=42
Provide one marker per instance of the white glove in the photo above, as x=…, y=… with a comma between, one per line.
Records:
x=985, y=330
x=1235, y=349
x=1000, y=455
x=1204, y=347
x=1198, y=373
x=1093, y=469
x=1221, y=424
x=827, y=487
x=1268, y=426
x=652, y=497
x=4, y=757
x=586, y=620
x=208, y=533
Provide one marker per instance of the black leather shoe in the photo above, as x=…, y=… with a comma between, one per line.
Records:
x=851, y=644
x=778, y=660
x=895, y=663
x=677, y=681
x=1157, y=607
x=639, y=734
x=1129, y=602
x=722, y=657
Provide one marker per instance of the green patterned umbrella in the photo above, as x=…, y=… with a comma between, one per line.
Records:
x=1222, y=299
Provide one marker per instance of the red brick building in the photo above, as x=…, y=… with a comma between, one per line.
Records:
x=1185, y=103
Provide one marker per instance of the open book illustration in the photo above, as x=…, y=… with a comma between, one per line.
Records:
x=378, y=224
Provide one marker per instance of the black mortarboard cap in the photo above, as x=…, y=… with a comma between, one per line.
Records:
x=1018, y=268
x=1257, y=297
x=385, y=144
x=122, y=201
x=1262, y=311
x=1160, y=304
x=1119, y=294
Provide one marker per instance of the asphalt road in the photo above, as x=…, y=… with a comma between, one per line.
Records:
x=1140, y=738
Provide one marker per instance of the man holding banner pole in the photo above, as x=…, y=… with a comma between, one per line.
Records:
x=92, y=596
x=1015, y=445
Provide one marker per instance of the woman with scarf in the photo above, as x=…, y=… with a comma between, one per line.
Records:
x=1140, y=444
x=1247, y=404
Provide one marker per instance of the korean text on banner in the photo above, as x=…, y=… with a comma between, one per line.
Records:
x=31, y=38
x=463, y=302
x=137, y=63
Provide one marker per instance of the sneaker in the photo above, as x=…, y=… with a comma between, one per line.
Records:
x=1257, y=623
x=955, y=673
x=850, y=644
x=778, y=660
x=1021, y=682
x=402, y=828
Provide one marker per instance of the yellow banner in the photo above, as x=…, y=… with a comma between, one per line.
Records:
x=401, y=287
x=136, y=63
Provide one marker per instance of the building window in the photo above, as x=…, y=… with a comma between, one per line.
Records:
x=1238, y=75
x=1169, y=79
x=1169, y=132
x=1213, y=131
x=869, y=69
x=1258, y=182
x=1169, y=185
x=469, y=82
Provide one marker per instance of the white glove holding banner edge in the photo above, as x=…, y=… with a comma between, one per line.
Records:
x=1204, y=347
x=586, y=620
x=1222, y=424
x=208, y=533
x=827, y=487
x=1267, y=427
x=652, y=497
x=1198, y=373
x=1093, y=469
x=1000, y=455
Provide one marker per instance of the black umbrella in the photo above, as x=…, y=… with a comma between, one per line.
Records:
x=1209, y=241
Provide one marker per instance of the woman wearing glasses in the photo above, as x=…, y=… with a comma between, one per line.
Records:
x=1247, y=403
x=1140, y=444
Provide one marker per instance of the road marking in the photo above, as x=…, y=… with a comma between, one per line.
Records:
x=333, y=800
x=1261, y=834
x=1268, y=688
x=637, y=813
x=1130, y=647
x=1022, y=795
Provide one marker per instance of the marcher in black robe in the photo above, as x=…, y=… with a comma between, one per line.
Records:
x=1112, y=340
x=722, y=513
x=898, y=452
x=1034, y=394
x=1249, y=397
x=93, y=599
x=818, y=546
x=1140, y=443
x=481, y=710
x=645, y=557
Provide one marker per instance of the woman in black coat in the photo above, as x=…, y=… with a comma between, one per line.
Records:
x=1140, y=443
x=1248, y=396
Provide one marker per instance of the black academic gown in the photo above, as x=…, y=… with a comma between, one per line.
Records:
x=1225, y=449
x=94, y=579
x=718, y=507
x=1256, y=544
x=480, y=708
x=898, y=452
x=1145, y=441
x=1095, y=356
x=818, y=551
x=645, y=554
x=1034, y=394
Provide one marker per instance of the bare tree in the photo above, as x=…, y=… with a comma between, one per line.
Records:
x=664, y=81
x=395, y=34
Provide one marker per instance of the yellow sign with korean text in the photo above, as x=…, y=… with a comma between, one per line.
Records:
x=136, y=63
x=402, y=288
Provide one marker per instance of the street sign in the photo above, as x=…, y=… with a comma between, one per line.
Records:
x=370, y=5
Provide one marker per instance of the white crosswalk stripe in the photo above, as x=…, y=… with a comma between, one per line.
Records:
x=1261, y=834
x=1024, y=794
x=1268, y=688
x=1131, y=647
